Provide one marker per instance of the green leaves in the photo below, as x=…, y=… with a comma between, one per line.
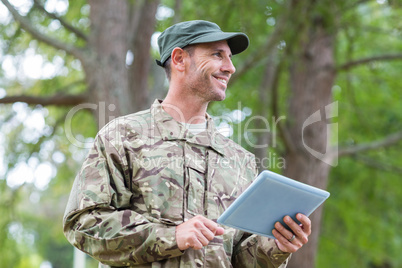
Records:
x=361, y=219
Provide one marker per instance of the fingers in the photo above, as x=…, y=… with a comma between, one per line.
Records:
x=211, y=225
x=196, y=241
x=300, y=232
x=297, y=230
x=220, y=231
x=283, y=231
x=205, y=231
x=284, y=244
x=306, y=223
x=196, y=233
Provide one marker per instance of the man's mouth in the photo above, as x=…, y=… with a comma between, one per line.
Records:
x=223, y=81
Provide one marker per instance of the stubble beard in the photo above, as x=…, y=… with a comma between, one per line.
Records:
x=205, y=89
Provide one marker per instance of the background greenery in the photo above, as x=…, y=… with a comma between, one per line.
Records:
x=362, y=218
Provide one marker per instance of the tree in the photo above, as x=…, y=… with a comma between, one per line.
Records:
x=312, y=72
x=295, y=59
x=110, y=85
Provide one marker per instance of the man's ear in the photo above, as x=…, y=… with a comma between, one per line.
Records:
x=178, y=62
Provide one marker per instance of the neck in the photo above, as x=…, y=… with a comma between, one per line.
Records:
x=184, y=107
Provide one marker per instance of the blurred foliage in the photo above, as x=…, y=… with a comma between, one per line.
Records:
x=362, y=216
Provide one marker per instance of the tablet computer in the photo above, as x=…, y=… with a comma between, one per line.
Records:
x=267, y=200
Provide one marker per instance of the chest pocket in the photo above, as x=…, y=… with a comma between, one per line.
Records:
x=158, y=182
x=195, y=178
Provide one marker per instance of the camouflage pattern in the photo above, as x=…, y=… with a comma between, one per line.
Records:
x=146, y=174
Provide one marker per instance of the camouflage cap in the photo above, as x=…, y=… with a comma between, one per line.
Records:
x=196, y=32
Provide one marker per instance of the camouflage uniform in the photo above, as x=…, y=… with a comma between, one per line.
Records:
x=145, y=175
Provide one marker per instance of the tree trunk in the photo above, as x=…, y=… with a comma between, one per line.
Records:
x=265, y=93
x=140, y=47
x=114, y=88
x=311, y=78
x=105, y=69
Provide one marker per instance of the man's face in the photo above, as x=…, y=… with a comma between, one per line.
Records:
x=210, y=70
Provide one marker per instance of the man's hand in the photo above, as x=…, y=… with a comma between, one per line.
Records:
x=285, y=240
x=196, y=233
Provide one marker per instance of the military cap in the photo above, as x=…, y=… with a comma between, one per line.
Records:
x=195, y=32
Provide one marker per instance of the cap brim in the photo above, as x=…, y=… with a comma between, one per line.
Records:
x=238, y=42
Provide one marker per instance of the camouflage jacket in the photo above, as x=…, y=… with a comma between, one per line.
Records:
x=146, y=174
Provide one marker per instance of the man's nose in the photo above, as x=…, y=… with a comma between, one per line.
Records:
x=228, y=66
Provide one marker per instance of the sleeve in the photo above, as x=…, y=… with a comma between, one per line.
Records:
x=258, y=251
x=99, y=219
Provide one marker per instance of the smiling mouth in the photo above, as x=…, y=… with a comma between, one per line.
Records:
x=223, y=81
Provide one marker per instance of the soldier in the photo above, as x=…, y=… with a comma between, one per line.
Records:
x=153, y=185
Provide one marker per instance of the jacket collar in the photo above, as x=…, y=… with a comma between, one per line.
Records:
x=171, y=129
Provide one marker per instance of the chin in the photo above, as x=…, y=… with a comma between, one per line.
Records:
x=223, y=95
x=217, y=94
x=220, y=98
